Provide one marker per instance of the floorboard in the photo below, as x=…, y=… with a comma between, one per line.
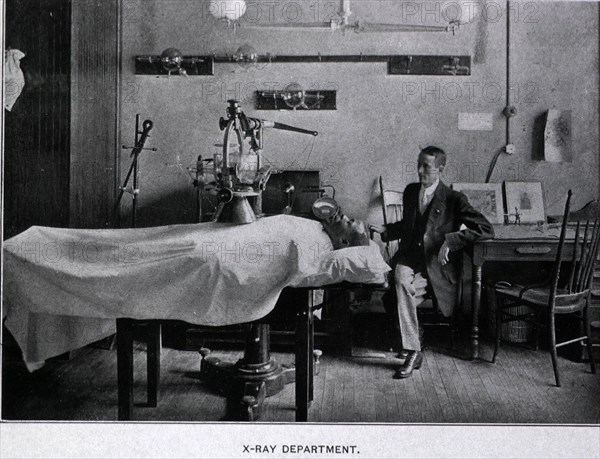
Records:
x=519, y=388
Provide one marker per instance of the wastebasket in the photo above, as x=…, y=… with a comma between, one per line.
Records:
x=517, y=331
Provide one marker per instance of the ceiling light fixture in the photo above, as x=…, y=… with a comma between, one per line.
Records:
x=453, y=13
x=228, y=10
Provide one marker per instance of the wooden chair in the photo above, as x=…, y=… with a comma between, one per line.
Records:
x=547, y=298
x=392, y=212
x=429, y=313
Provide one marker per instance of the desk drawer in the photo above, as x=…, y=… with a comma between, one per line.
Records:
x=525, y=251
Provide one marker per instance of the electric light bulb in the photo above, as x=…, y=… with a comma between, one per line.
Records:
x=462, y=11
x=171, y=60
x=234, y=9
x=246, y=54
x=217, y=9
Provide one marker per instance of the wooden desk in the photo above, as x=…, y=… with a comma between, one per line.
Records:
x=512, y=244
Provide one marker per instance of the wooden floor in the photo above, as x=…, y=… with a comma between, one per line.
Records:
x=519, y=388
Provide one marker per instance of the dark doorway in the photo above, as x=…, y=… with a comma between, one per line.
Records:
x=37, y=129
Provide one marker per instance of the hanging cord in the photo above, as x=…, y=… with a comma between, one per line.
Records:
x=508, y=88
x=509, y=111
x=492, y=165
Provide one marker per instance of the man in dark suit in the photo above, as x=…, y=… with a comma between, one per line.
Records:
x=430, y=251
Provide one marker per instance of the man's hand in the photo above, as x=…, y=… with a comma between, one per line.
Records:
x=408, y=286
x=377, y=228
x=443, y=254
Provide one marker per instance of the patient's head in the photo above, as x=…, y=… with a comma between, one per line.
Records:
x=345, y=232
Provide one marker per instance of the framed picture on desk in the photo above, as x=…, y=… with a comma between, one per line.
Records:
x=524, y=202
x=485, y=198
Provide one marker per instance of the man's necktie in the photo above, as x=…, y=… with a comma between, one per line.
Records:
x=423, y=203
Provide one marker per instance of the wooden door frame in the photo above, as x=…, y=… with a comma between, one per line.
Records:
x=95, y=111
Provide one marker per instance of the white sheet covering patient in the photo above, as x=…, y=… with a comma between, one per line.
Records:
x=63, y=288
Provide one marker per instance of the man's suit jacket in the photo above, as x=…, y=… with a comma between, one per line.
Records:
x=448, y=210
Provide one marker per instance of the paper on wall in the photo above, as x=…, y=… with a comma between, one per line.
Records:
x=557, y=136
x=475, y=122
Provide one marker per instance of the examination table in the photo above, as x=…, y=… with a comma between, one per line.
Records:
x=66, y=288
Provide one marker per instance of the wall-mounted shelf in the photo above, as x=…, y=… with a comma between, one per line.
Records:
x=430, y=65
x=193, y=65
x=397, y=64
x=284, y=100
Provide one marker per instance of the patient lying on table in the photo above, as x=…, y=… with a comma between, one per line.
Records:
x=64, y=288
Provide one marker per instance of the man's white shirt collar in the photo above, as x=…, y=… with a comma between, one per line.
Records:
x=428, y=191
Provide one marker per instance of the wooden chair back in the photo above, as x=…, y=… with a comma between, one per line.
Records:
x=392, y=212
x=585, y=253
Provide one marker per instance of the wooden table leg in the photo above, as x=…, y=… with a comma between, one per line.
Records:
x=311, y=348
x=153, y=361
x=303, y=359
x=475, y=305
x=125, y=368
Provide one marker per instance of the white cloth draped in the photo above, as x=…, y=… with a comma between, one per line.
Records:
x=14, y=80
x=63, y=288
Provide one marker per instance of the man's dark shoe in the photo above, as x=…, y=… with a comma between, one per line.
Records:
x=413, y=362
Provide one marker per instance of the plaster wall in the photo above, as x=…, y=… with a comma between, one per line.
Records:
x=381, y=120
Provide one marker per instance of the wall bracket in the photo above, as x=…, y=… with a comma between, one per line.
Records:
x=192, y=65
x=397, y=64
x=430, y=65
x=300, y=100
